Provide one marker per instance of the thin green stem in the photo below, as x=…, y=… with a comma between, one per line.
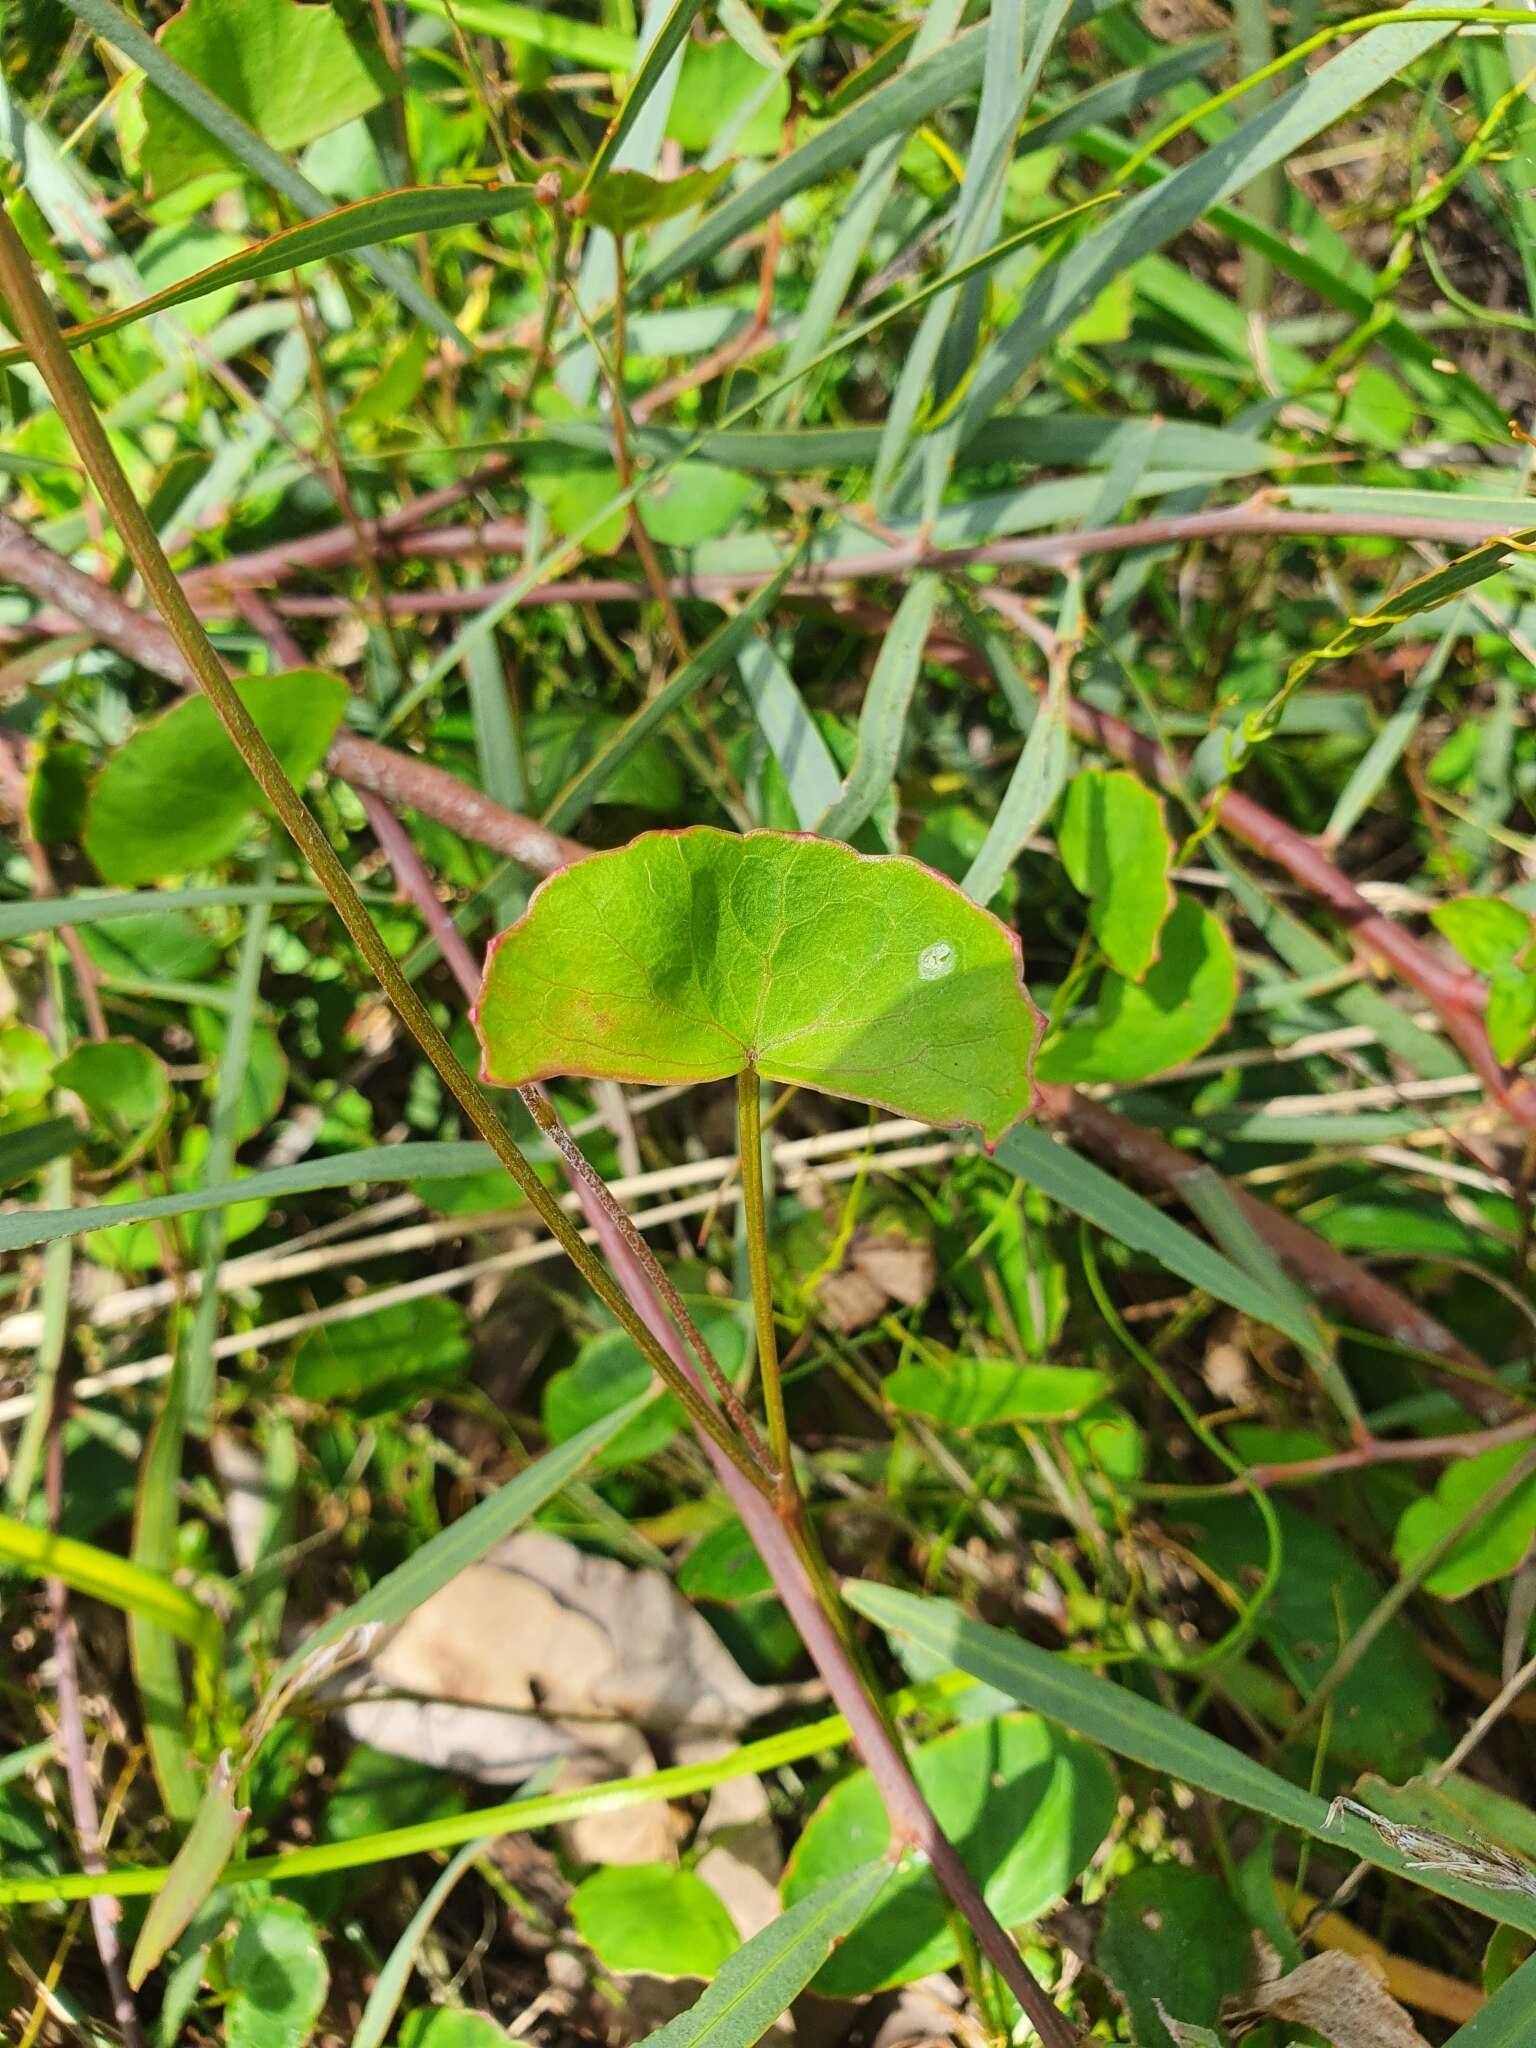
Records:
x=35, y=327
x=754, y=1221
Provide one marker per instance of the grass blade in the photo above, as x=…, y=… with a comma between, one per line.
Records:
x=895, y=109
x=44, y=914
x=717, y=652
x=884, y=716
x=449, y=1160
x=201, y=1858
x=977, y=216
x=389, y=1985
x=1156, y=216
x=667, y=42
x=244, y=144
x=1505, y=2021
x=793, y=736
x=1101, y=1200
x=534, y=1810
x=101, y=1576
x=412, y=211
x=1038, y=778
x=765, y=1975
x=868, y=200
x=581, y=43
x=1130, y=1726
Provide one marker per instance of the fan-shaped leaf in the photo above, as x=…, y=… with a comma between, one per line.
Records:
x=696, y=955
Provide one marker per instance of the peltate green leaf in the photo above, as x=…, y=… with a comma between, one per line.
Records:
x=622, y=201
x=277, y=1978
x=1486, y=931
x=126, y=1089
x=384, y=1360
x=696, y=955
x=1511, y=1012
x=1488, y=1552
x=653, y=1917
x=1172, y=1937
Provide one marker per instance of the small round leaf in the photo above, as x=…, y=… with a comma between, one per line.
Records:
x=655, y=1918
x=1025, y=1803
x=177, y=795
x=1137, y=1029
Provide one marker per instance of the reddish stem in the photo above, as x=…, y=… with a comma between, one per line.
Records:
x=1048, y=550
x=912, y=1820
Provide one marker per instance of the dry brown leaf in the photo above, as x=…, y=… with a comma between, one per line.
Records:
x=850, y=1301
x=881, y=1266
x=1342, y=1997
x=743, y=1857
x=541, y=1652
x=902, y=1265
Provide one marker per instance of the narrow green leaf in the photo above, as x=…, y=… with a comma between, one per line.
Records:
x=415, y=210
x=1004, y=96
x=793, y=736
x=1038, y=779
x=199, y=1864
x=895, y=109
x=718, y=651
x=1092, y=1194
x=1424, y=594
x=1130, y=1726
x=557, y=34
x=99, y=1575
x=1155, y=216
x=389, y=1985
x=980, y=1393
x=648, y=76
x=837, y=263
x=546, y=1809
x=884, y=716
x=108, y=21
x=1375, y=766
x=1505, y=2021
x=770, y=1971
x=458, y=1546
x=23, y=1228
x=24, y=1150
x=23, y=920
